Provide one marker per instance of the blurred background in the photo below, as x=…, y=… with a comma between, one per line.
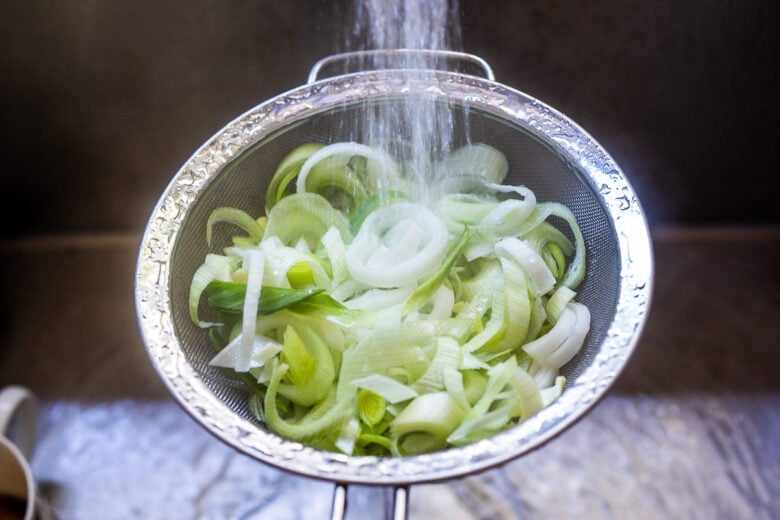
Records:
x=102, y=101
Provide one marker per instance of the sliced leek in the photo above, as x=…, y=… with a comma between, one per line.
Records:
x=236, y=217
x=369, y=321
x=397, y=245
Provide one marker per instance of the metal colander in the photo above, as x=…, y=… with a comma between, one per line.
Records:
x=546, y=152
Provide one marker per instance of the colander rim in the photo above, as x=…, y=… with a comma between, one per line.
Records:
x=152, y=279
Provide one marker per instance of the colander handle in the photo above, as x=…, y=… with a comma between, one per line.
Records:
x=453, y=55
x=399, y=505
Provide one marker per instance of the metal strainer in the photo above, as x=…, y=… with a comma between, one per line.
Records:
x=546, y=152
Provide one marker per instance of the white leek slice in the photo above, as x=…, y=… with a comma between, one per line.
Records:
x=479, y=249
x=447, y=357
x=382, y=349
x=236, y=356
x=378, y=299
x=551, y=393
x=457, y=327
x=509, y=215
x=529, y=397
x=542, y=347
x=557, y=303
x=518, y=307
x=544, y=375
x=336, y=250
x=470, y=361
x=400, y=374
x=387, y=387
x=254, y=262
x=476, y=160
x=526, y=193
x=262, y=374
x=347, y=289
x=379, y=165
x=443, y=301
x=304, y=215
x=541, y=279
x=215, y=267
x=576, y=338
x=478, y=296
x=348, y=436
x=279, y=260
x=496, y=326
x=397, y=245
x=453, y=384
x=302, y=246
x=538, y=318
x=459, y=211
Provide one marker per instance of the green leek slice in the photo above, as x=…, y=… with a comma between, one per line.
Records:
x=307, y=216
x=371, y=407
x=236, y=217
x=427, y=289
x=296, y=356
x=425, y=423
x=228, y=297
x=311, y=425
x=308, y=388
x=287, y=170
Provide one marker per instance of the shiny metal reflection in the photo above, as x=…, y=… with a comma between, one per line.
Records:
x=233, y=168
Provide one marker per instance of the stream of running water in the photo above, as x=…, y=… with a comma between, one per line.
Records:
x=418, y=127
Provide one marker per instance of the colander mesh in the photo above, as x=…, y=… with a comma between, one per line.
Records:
x=243, y=183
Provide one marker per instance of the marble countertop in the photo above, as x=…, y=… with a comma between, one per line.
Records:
x=691, y=430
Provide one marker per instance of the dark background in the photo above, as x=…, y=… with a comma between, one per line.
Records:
x=102, y=101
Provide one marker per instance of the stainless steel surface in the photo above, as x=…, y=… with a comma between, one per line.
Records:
x=690, y=429
x=398, y=55
x=548, y=153
x=354, y=501
x=339, y=507
x=401, y=503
